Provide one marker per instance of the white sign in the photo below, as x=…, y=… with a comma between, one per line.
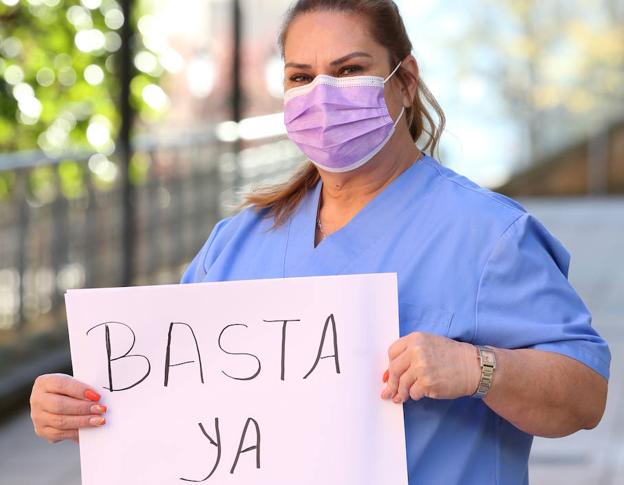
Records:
x=258, y=382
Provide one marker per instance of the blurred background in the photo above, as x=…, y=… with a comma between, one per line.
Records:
x=129, y=127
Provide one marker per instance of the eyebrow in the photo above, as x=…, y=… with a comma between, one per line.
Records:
x=332, y=63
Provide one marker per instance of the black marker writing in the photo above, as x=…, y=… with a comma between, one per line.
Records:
x=239, y=353
x=214, y=443
x=284, y=323
x=249, y=448
x=127, y=355
x=168, y=363
x=335, y=354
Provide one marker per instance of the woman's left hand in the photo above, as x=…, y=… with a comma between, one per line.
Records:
x=427, y=365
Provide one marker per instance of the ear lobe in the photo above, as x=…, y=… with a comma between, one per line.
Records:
x=407, y=102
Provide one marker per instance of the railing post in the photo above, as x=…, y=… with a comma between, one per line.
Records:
x=124, y=148
x=21, y=194
x=237, y=90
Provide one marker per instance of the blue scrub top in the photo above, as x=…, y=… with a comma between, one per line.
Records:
x=472, y=265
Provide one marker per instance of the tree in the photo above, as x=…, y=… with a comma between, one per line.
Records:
x=558, y=66
x=58, y=89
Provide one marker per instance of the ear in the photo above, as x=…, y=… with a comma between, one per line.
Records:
x=410, y=77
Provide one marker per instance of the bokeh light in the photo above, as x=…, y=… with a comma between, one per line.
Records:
x=90, y=40
x=94, y=74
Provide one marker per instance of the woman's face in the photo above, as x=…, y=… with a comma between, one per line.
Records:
x=336, y=44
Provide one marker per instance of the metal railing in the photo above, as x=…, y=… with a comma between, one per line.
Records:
x=61, y=220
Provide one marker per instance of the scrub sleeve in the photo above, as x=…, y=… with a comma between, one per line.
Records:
x=196, y=270
x=525, y=300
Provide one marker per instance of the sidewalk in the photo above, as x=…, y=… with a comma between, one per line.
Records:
x=26, y=459
x=593, y=232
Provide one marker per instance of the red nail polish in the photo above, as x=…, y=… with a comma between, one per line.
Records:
x=386, y=375
x=92, y=395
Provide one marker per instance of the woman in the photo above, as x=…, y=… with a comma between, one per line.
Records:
x=474, y=267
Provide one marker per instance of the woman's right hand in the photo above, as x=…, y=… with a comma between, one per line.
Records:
x=60, y=404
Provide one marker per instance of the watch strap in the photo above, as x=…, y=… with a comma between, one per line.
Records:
x=487, y=359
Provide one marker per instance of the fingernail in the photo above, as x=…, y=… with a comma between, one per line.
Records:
x=97, y=421
x=98, y=408
x=386, y=375
x=92, y=395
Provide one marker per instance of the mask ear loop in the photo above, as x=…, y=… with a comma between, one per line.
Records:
x=402, y=107
x=400, y=116
x=392, y=73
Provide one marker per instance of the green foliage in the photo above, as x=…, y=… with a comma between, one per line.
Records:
x=42, y=186
x=59, y=90
x=139, y=168
x=72, y=177
x=57, y=74
x=7, y=182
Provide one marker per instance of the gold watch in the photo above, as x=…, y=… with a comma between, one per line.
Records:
x=487, y=358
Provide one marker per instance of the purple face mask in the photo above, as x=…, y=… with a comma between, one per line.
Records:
x=339, y=123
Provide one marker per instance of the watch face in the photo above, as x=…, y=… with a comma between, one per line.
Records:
x=488, y=358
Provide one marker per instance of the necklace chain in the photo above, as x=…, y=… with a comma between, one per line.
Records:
x=320, y=226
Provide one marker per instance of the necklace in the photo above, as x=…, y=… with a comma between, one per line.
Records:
x=320, y=226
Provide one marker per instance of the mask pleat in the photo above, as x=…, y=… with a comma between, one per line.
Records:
x=365, y=98
x=334, y=136
x=327, y=119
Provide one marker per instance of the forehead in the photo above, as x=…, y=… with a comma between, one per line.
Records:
x=321, y=37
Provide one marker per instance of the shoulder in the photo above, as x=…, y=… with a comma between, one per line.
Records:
x=468, y=191
x=500, y=224
x=465, y=202
x=227, y=227
x=226, y=231
x=243, y=222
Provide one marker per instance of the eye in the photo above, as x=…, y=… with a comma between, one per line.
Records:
x=350, y=69
x=296, y=78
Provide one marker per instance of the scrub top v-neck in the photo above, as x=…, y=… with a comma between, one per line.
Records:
x=339, y=250
x=472, y=265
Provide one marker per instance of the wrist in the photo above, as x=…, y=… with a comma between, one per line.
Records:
x=486, y=358
x=473, y=369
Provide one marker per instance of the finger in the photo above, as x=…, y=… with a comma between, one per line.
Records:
x=55, y=435
x=68, y=386
x=396, y=368
x=405, y=383
x=416, y=392
x=68, y=422
x=60, y=404
x=397, y=348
